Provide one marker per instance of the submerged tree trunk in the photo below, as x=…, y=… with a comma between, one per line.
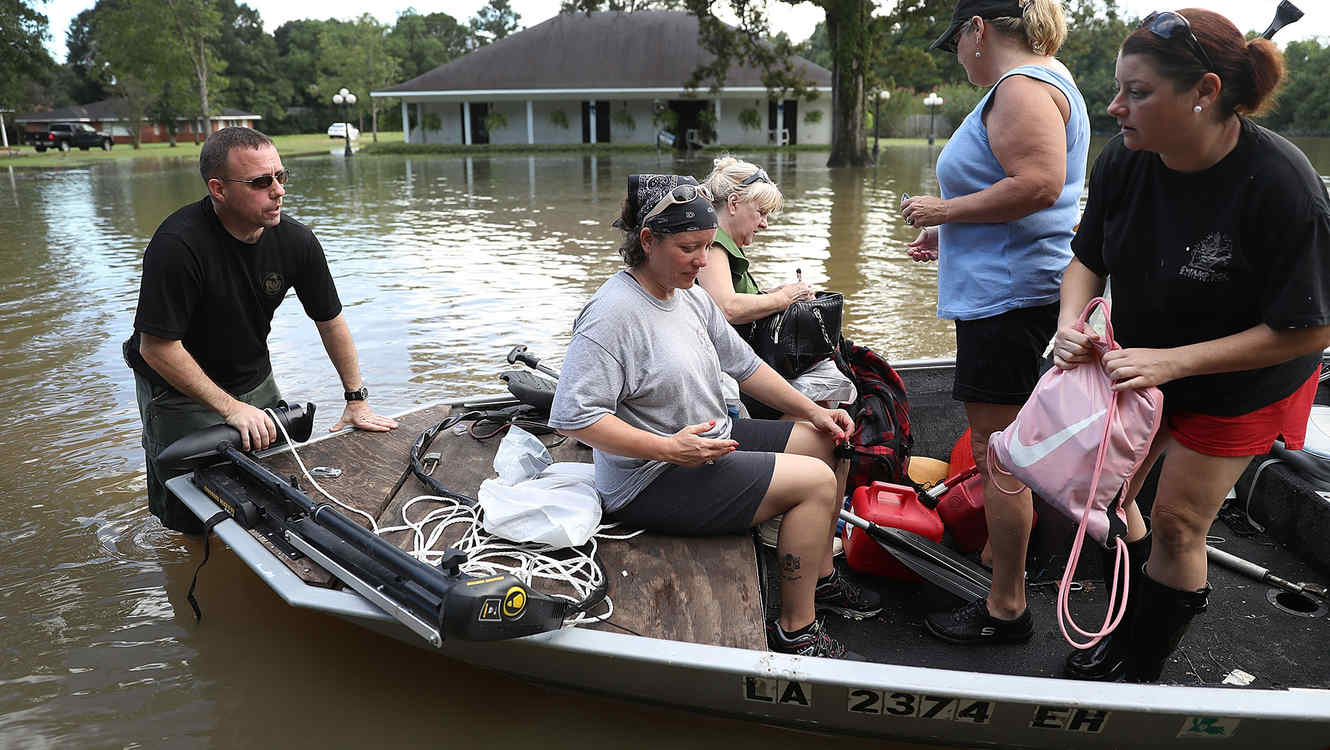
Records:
x=851, y=46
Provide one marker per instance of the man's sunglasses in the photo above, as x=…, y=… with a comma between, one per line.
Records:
x=759, y=175
x=263, y=182
x=1167, y=24
x=680, y=194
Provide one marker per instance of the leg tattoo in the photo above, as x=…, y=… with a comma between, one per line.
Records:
x=790, y=568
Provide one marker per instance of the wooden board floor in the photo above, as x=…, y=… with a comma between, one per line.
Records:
x=688, y=589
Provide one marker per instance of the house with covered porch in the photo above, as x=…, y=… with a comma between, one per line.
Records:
x=607, y=77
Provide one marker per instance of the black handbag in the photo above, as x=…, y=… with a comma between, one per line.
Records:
x=803, y=334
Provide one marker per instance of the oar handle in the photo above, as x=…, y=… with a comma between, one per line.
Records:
x=1233, y=562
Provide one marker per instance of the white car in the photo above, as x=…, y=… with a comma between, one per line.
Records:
x=338, y=130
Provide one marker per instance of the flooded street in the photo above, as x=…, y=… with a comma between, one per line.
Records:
x=443, y=264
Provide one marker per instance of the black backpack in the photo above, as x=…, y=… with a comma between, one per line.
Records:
x=879, y=447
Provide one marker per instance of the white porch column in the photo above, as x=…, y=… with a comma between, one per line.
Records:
x=406, y=124
x=420, y=121
x=530, y=125
x=3, y=135
x=592, y=111
x=466, y=127
x=717, y=101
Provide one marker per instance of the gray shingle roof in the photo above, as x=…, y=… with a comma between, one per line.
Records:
x=606, y=50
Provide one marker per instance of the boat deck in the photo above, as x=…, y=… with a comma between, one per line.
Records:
x=712, y=591
x=694, y=590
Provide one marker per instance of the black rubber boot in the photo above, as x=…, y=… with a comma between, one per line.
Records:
x=1158, y=621
x=1106, y=661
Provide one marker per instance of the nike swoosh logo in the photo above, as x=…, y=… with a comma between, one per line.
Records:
x=1024, y=455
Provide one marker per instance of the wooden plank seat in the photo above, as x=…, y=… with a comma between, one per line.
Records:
x=699, y=590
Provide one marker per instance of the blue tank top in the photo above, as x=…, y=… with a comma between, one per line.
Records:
x=988, y=269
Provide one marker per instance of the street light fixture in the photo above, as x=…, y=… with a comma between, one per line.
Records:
x=345, y=99
x=932, y=101
x=882, y=96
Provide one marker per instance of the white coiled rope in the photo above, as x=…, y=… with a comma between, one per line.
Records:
x=486, y=553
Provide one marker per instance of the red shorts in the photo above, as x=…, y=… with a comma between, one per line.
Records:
x=1249, y=434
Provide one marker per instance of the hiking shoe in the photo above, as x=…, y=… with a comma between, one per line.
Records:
x=769, y=532
x=810, y=641
x=972, y=624
x=837, y=593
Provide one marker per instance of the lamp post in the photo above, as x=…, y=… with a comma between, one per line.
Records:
x=345, y=99
x=932, y=101
x=882, y=96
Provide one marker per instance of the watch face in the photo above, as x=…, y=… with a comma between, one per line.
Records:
x=359, y=395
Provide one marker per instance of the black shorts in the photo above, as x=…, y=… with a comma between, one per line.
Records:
x=712, y=499
x=998, y=359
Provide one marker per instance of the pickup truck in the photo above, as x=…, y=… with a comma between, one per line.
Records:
x=63, y=135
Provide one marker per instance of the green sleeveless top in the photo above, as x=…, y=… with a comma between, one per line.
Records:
x=743, y=280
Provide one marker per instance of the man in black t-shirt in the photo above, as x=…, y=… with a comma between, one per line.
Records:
x=213, y=275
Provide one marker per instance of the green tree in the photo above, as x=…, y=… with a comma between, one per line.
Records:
x=1303, y=106
x=84, y=72
x=23, y=59
x=422, y=43
x=1095, y=30
x=357, y=58
x=127, y=43
x=494, y=22
x=197, y=23
x=301, y=59
x=254, y=81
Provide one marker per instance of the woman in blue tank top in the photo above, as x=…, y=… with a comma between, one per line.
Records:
x=1010, y=179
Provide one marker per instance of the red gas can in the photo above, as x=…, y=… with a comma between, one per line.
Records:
x=961, y=509
x=887, y=505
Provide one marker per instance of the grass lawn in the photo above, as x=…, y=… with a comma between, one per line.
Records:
x=287, y=145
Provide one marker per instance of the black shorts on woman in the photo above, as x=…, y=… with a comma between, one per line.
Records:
x=999, y=358
x=713, y=498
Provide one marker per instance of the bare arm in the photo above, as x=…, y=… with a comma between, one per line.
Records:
x=341, y=350
x=685, y=447
x=168, y=358
x=766, y=385
x=742, y=308
x=1027, y=132
x=1257, y=347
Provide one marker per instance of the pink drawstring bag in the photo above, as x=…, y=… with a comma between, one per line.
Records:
x=1073, y=421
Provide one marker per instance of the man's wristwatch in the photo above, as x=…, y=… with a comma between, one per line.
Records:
x=359, y=395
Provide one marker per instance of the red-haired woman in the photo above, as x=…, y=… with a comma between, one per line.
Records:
x=1215, y=233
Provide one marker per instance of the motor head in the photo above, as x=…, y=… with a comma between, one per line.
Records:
x=1285, y=14
x=200, y=448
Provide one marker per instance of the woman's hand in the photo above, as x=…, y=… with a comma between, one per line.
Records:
x=833, y=422
x=791, y=293
x=924, y=211
x=1073, y=345
x=687, y=448
x=924, y=247
x=1133, y=369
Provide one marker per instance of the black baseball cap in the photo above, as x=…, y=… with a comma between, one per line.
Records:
x=967, y=9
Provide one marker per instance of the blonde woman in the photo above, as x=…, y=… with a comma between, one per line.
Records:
x=1010, y=178
x=744, y=198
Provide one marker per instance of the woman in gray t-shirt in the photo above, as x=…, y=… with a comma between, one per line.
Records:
x=641, y=384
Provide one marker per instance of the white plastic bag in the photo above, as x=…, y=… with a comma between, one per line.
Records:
x=560, y=508
x=825, y=382
x=521, y=456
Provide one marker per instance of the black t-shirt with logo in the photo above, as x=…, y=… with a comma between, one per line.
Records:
x=217, y=295
x=1194, y=257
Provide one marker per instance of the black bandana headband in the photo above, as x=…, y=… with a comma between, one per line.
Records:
x=645, y=191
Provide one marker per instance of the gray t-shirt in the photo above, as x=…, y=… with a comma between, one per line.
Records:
x=655, y=364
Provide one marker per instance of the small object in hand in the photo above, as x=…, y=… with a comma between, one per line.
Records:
x=799, y=275
x=710, y=461
x=431, y=462
x=906, y=197
x=325, y=472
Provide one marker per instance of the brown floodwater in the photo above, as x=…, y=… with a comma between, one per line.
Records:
x=443, y=264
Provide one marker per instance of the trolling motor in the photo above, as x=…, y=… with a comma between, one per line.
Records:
x=434, y=602
x=200, y=448
x=1285, y=14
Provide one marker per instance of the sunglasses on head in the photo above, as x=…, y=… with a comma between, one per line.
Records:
x=680, y=194
x=264, y=181
x=759, y=176
x=1167, y=24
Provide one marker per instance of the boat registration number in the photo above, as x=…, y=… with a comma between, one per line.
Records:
x=919, y=706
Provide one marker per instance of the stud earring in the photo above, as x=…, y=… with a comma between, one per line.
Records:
x=977, y=53
x=1197, y=109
